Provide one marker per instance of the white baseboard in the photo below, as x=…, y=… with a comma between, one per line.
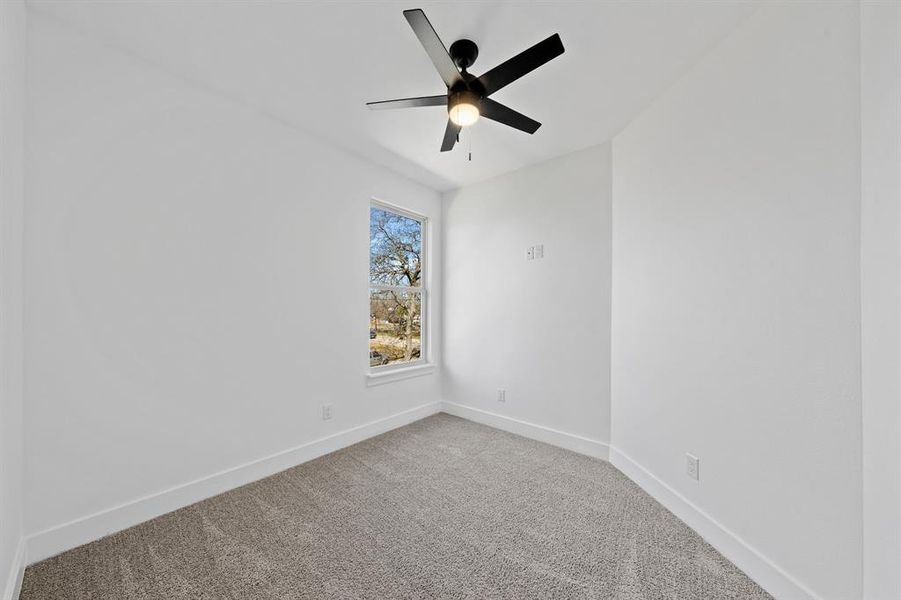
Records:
x=49, y=542
x=54, y=540
x=758, y=567
x=16, y=573
x=569, y=441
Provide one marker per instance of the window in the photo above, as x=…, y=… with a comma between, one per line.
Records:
x=397, y=294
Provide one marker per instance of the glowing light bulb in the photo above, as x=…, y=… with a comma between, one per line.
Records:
x=464, y=114
x=464, y=109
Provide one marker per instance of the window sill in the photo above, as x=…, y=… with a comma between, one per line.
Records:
x=389, y=375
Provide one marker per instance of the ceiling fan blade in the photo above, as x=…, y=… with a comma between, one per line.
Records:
x=509, y=71
x=502, y=114
x=434, y=47
x=450, y=136
x=409, y=102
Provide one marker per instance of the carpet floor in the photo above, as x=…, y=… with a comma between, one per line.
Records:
x=441, y=508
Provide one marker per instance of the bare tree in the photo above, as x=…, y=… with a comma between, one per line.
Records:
x=395, y=258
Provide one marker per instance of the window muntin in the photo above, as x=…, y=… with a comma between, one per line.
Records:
x=397, y=292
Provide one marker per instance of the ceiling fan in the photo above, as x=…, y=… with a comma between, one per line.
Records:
x=467, y=95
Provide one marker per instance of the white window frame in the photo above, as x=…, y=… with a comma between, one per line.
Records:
x=420, y=366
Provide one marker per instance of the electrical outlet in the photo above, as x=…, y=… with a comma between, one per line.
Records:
x=539, y=251
x=501, y=395
x=530, y=253
x=326, y=412
x=692, y=466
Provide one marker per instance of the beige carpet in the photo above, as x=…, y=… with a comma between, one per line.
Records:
x=442, y=508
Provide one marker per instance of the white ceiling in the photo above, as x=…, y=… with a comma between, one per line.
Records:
x=315, y=64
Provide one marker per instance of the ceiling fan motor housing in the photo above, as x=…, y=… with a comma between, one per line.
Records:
x=463, y=97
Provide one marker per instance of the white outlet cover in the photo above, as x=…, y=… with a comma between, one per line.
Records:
x=693, y=466
x=326, y=412
x=501, y=395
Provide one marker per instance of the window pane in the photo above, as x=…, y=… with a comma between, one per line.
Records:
x=395, y=249
x=395, y=327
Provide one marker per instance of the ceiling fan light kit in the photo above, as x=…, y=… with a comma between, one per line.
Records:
x=463, y=108
x=467, y=95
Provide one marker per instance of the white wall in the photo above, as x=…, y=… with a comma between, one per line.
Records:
x=539, y=329
x=736, y=296
x=12, y=117
x=881, y=296
x=188, y=278
x=197, y=285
